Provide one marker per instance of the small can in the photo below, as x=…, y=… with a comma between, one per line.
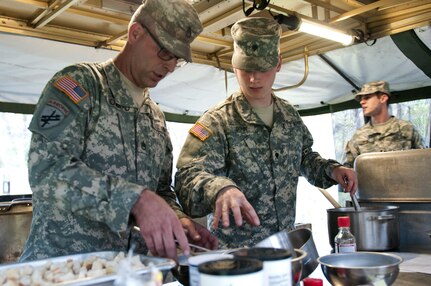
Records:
x=195, y=261
x=232, y=272
x=277, y=264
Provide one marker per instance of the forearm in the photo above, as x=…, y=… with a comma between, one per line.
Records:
x=197, y=190
x=318, y=170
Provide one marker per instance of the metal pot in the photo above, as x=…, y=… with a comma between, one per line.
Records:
x=15, y=222
x=375, y=228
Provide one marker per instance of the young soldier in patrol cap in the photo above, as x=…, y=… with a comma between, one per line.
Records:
x=242, y=159
x=101, y=158
x=383, y=132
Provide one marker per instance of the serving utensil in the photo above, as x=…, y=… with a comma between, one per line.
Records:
x=330, y=198
x=195, y=246
x=355, y=202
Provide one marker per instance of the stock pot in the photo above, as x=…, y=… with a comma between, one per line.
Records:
x=376, y=228
x=15, y=222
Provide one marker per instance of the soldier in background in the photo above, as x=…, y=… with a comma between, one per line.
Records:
x=383, y=132
x=242, y=158
x=100, y=158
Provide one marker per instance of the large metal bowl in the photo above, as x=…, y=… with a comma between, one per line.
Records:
x=297, y=265
x=360, y=268
x=181, y=272
x=300, y=238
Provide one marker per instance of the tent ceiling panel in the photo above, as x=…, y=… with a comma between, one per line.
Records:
x=107, y=19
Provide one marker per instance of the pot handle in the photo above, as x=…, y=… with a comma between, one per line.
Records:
x=381, y=217
x=6, y=206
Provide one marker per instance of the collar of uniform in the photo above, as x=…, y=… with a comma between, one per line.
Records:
x=245, y=110
x=115, y=84
x=389, y=121
x=393, y=127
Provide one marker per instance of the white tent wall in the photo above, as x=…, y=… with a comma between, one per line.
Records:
x=27, y=63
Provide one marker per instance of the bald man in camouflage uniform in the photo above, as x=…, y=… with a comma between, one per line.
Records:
x=383, y=132
x=101, y=157
x=242, y=159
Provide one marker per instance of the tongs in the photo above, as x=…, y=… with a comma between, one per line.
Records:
x=197, y=247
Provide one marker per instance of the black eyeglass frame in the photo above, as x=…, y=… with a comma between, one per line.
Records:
x=163, y=53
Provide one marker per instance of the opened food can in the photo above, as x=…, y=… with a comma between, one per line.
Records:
x=277, y=264
x=232, y=272
x=195, y=261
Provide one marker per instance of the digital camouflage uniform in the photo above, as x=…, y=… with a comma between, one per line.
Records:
x=92, y=153
x=399, y=135
x=256, y=42
x=231, y=146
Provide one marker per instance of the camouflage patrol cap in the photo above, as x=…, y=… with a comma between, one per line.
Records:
x=175, y=24
x=256, y=44
x=373, y=87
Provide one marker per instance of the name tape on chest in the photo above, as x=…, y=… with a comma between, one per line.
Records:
x=200, y=131
x=71, y=88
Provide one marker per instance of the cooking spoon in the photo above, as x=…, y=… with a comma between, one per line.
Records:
x=330, y=198
x=355, y=202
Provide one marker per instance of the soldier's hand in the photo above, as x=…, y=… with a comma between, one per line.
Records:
x=159, y=225
x=199, y=234
x=230, y=199
x=347, y=179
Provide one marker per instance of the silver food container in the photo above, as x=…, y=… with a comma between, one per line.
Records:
x=397, y=176
x=15, y=222
x=375, y=228
x=402, y=179
x=164, y=265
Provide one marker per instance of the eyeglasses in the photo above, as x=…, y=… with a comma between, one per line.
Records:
x=163, y=53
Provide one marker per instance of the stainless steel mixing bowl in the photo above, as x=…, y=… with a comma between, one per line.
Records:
x=300, y=238
x=181, y=272
x=360, y=268
x=297, y=265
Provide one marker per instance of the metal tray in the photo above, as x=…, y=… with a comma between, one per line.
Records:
x=396, y=176
x=162, y=264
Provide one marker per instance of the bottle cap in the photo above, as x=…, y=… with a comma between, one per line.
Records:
x=312, y=282
x=343, y=221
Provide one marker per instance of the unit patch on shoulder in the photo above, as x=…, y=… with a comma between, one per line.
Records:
x=52, y=114
x=71, y=88
x=200, y=131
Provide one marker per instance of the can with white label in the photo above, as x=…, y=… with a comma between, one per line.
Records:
x=195, y=261
x=277, y=264
x=232, y=272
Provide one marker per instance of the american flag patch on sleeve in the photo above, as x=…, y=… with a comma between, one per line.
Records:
x=71, y=88
x=200, y=131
